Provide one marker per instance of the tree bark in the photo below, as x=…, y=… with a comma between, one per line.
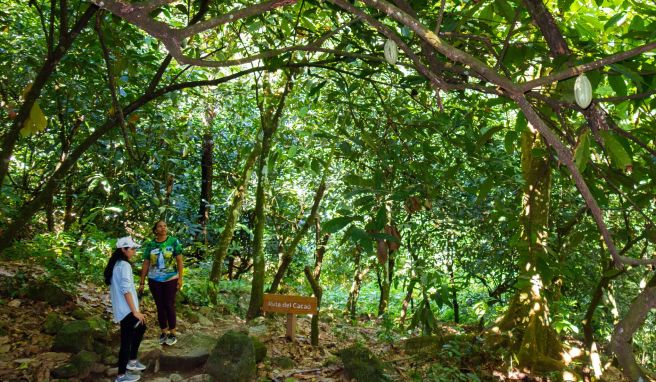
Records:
x=207, y=171
x=270, y=117
x=233, y=214
x=536, y=343
x=289, y=251
x=358, y=278
x=623, y=333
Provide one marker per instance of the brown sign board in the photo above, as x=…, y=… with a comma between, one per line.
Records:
x=280, y=303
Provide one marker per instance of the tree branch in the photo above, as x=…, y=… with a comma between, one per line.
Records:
x=576, y=70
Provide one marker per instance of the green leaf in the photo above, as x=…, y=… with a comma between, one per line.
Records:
x=635, y=77
x=505, y=10
x=619, y=157
x=336, y=224
x=582, y=152
x=486, y=135
x=509, y=141
x=484, y=189
x=618, y=85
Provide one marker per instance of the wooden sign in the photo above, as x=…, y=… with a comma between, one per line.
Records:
x=280, y=303
x=292, y=305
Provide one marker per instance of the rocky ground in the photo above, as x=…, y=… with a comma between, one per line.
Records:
x=34, y=314
x=26, y=349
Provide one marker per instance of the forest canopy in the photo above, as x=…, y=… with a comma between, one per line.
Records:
x=416, y=161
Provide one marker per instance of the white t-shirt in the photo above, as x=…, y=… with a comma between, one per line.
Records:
x=122, y=282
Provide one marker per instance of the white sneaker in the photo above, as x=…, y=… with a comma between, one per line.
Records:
x=136, y=365
x=127, y=378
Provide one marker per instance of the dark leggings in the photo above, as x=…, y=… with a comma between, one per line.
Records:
x=130, y=340
x=164, y=296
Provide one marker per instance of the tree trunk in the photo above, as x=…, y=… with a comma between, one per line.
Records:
x=406, y=302
x=536, y=343
x=289, y=251
x=207, y=170
x=354, y=293
x=623, y=334
x=257, y=285
x=270, y=117
x=233, y=214
x=454, y=294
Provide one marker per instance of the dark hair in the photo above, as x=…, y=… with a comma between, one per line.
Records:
x=117, y=255
x=156, y=223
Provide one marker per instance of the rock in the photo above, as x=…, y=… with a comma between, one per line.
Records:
x=53, y=324
x=362, y=365
x=199, y=378
x=204, y=320
x=175, y=377
x=282, y=362
x=84, y=362
x=423, y=344
x=111, y=372
x=159, y=379
x=48, y=292
x=232, y=359
x=260, y=331
x=98, y=368
x=80, y=314
x=14, y=303
x=99, y=328
x=73, y=337
x=189, y=353
x=65, y=371
x=260, y=350
x=110, y=359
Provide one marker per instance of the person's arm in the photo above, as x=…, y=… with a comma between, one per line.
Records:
x=144, y=272
x=178, y=259
x=126, y=283
x=135, y=312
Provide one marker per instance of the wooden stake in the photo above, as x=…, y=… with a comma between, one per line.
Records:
x=291, y=326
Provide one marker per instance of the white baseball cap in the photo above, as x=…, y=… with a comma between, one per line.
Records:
x=126, y=242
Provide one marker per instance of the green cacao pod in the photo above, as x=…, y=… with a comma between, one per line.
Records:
x=391, y=52
x=583, y=91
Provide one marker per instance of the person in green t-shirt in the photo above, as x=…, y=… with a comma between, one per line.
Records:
x=162, y=262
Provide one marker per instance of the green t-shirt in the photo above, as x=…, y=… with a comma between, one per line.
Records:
x=162, y=257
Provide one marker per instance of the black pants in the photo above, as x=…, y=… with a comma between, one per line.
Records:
x=130, y=340
x=164, y=296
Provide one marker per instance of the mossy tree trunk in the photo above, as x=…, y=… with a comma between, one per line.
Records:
x=534, y=340
x=271, y=107
x=233, y=214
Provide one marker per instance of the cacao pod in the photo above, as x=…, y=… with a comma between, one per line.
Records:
x=583, y=91
x=391, y=52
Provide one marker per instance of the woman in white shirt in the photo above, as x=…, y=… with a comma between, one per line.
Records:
x=125, y=307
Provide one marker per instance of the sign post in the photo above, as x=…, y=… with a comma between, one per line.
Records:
x=292, y=305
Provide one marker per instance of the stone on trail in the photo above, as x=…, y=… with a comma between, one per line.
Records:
x=233, y=358
x=362, y=365
x=191, y=351
x=53, y=324
x=73, y=337
x=199, y=378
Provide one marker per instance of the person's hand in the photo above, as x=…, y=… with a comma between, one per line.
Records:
x=179, y=283
x=139, y=316
x=141, y=289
